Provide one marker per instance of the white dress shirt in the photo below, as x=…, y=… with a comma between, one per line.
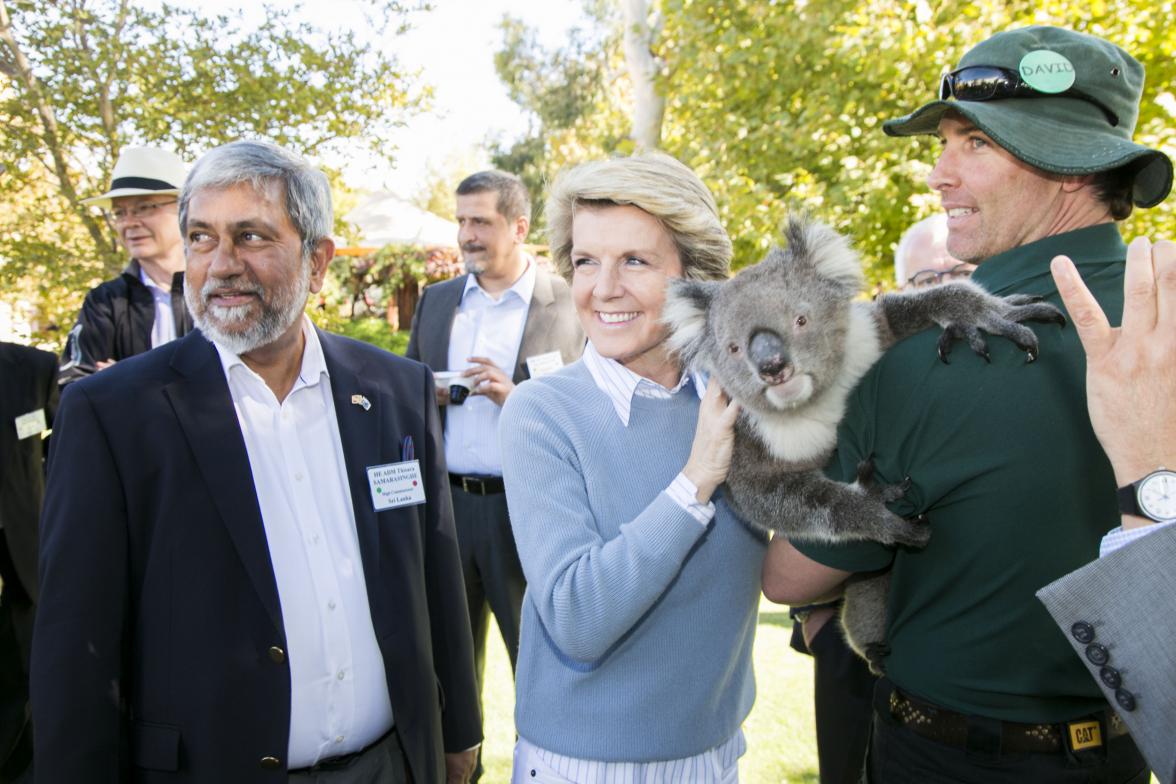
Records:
x=338, y=690
x=491, y=328
x=163, y=329
x=1121, y=537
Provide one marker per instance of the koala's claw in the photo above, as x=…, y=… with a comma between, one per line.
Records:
x=865, y=472
x=891, y=493
x=913, y=533
x=885, y=493
x=1023, y=299
x=953, y=332
x=950, y=334
x=1000, y=316
x=1037, y=311
x=875, y=652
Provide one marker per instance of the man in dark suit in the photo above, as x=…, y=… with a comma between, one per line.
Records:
x=249, y=569
x=28, y=400
x=503, y=322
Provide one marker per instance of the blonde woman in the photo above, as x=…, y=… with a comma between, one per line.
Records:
x=640, y=612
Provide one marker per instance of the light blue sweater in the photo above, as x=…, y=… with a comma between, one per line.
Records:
x=638, y=621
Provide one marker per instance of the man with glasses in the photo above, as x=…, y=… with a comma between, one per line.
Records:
x=1036, y=160
x=144, y=306
x=922, y=259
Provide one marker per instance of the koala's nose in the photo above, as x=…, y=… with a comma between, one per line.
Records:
x=769, y=354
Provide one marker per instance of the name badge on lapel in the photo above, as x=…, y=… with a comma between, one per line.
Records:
x=30, y=424
x=394, y=485
x=542, y=364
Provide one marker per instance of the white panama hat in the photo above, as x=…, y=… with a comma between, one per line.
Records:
x=143, y=171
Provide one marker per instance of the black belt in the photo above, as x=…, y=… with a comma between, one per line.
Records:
x=343, y=760
x=946, y=726
x=477, y=485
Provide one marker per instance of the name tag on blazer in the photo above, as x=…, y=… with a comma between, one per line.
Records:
x=542, y=364
x=30, y=424
x=394, y=485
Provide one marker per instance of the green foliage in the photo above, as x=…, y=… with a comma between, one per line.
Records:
x=779, y=105
x=575, y=97
x=363, y=286
x=375, y=331
x=81, y=80
x=437, y=192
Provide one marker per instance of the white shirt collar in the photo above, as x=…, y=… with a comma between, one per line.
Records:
x=522, y=288
x=150, y=283
x=620, y=384
x=314, y=366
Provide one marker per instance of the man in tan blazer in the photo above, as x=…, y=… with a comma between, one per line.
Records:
x=503, y=322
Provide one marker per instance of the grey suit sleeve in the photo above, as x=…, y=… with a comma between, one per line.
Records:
x=1126, y=601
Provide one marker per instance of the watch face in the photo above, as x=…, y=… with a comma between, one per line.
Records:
x=1157, y=495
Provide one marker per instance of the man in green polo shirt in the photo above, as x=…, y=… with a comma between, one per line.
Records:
x=1036, y=161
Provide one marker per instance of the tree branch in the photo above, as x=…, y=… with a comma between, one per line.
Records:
x=50, y=137
x=648, y=104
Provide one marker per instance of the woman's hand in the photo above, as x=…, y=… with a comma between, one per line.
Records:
x=714, y=438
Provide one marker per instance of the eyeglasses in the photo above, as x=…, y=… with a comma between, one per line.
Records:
x=930, y=277
x=990, y=83
x=138, y=212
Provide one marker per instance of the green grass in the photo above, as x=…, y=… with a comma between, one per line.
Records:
x=781, y=739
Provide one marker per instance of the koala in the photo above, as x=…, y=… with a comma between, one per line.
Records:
x=788, y=339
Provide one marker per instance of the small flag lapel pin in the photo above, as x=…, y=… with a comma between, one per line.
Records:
x=360, y=400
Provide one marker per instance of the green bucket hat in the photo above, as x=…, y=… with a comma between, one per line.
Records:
x=1083, y=102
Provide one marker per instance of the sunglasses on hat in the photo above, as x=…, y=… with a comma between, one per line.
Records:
x=991, y=83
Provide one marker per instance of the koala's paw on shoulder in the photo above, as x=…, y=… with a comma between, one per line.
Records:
x=1000, y=316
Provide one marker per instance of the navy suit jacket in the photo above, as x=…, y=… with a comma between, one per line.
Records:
x=159, y=650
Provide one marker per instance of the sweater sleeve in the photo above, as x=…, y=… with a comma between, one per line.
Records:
x=589, y=591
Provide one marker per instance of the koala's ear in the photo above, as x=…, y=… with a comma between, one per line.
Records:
x=685, y=311
x=826, y=251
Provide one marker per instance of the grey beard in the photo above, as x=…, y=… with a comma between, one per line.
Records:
x=276, y=316
x=472, y=267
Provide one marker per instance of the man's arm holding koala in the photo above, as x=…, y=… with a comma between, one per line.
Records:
x=790, y=577
x=800, y=501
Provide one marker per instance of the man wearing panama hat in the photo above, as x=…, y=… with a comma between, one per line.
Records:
x=144, y=306
x=1036, y=161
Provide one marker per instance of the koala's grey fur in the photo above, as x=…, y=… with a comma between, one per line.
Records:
x=788, y=340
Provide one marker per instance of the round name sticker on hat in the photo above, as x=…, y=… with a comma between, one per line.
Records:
x=1046, y=71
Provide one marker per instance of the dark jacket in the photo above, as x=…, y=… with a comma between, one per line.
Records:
x=115, y=323
x=27, y=384
x=160, y=646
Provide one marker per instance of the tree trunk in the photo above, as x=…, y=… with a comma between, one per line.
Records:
x=648, y=104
